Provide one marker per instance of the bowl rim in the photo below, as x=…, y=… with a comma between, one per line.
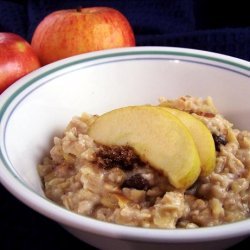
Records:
x=73, y=220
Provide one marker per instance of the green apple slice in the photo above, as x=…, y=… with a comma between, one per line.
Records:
x=202, y=138
x=157, y=136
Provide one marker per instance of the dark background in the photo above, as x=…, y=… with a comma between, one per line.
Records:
x=217, y=26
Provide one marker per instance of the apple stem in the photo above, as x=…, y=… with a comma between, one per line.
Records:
x=79, y=9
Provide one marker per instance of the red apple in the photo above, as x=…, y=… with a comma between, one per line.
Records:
x=17, y=59
x=70, y=32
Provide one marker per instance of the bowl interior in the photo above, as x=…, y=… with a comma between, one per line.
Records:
x=41, y=105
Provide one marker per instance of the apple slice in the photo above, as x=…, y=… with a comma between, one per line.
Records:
x=157, y=136
x=202, y=138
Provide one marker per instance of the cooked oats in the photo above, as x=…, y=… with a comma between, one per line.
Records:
x=114, y=185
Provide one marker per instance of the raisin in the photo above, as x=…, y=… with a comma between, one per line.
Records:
x=136, y=181
x=205, y=114
x=219, y=140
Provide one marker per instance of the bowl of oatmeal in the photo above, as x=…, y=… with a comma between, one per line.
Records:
x=98, y=143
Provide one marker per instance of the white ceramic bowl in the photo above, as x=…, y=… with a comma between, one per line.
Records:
x=41, y=104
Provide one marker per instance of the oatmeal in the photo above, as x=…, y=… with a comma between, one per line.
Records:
x=113, y=183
